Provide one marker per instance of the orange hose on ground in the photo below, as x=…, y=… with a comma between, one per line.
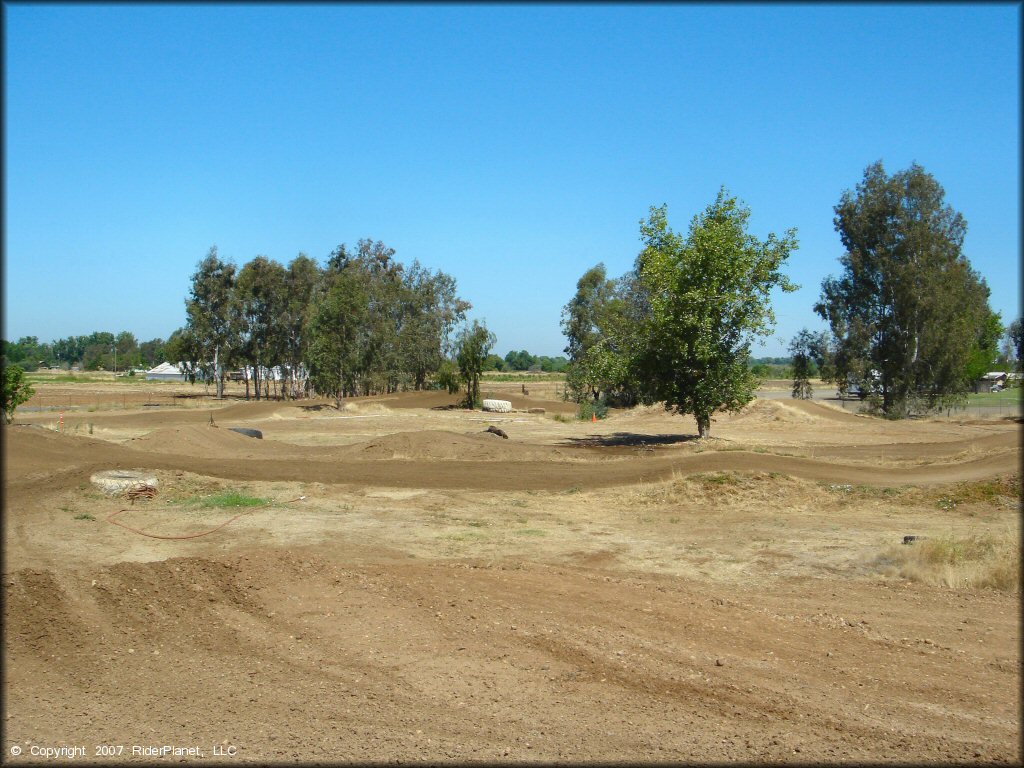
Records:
x=112, y=515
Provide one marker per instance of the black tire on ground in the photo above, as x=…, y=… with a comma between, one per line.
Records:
x=247, y=432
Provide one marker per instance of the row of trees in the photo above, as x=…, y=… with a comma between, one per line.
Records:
x=909, y=319
x=100, y=349
x=362, y=324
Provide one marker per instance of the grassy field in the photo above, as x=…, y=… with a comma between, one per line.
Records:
x=1008, y=397
x=522, y=376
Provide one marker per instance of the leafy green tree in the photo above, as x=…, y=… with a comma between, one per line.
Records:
x=151, y=352
x=519, y=361
x=984, y=350
x=494, y=363
x=16, y=390
x=1015, y=339
x=127, y=351
x=99, y=351
x=259, y=296
x=338, y=321
x=210, y=309
x=431, y=310
x=908, y=311
x=583, y=317
x=186, y=351
x=709, y=298
x=603, y=324
x=448, y=376
x=808, y=352
x=474, y=343
x=301, y=282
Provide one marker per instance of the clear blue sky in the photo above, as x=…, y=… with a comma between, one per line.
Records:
x=512, y=146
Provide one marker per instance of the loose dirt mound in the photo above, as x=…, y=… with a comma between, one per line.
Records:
x=193, y=440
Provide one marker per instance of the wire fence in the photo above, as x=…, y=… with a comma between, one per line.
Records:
x=1000, y=408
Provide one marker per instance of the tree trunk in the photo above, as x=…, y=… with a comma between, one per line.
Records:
x=703, y=425
x=217, y=372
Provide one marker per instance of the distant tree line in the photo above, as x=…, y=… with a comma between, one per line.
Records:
x=99, y=350
x=523, y=361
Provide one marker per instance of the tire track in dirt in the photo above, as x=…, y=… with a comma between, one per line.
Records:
x=532, y=660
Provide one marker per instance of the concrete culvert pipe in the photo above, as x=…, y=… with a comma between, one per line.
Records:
x=117, y=481
x=497, y=406
x=247, y=432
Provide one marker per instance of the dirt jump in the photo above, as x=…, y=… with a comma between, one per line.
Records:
x=402, y=579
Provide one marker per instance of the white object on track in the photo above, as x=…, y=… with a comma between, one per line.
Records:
x=498, y=406
x=117, y=481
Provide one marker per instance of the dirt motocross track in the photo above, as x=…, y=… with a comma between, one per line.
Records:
x=406, y=586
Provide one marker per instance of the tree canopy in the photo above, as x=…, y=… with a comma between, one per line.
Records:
x=678, y=329
x=909, y=316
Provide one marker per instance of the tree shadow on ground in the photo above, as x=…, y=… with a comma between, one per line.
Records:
x=628, y=440
x=318, y=407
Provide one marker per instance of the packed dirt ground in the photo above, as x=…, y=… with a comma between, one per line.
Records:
x=391, y=582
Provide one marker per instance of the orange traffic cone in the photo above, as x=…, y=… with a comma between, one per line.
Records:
x=593, y=417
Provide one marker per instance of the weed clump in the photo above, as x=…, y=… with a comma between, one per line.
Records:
x=974, y=561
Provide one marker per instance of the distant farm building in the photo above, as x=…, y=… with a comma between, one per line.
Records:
x=166, y=372
x=991, y=382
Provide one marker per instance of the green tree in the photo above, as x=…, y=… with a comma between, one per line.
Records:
x=908, y=311
x=16, y=390
x=583, y=316
x=808, y=351
x=603, y=324
x=431, y=310
x=984, y=350
x=151, y=352
x=338, y=321
x=259, y=296
x=494, y=363
x=1015, y=338
x=302, y=280
x=126, y=351
x=474, y=344
x=212, y=324
x=448, y=376
x=186, y=351
x=709, y=298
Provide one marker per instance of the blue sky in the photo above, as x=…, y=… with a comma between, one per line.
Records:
x=512, y=146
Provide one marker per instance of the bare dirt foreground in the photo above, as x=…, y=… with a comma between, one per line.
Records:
x=403, y=586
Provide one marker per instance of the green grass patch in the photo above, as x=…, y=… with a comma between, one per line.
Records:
x=84, y=516
x=227, y=500
x=496, y=376
x=718, y=478
x=531, y=532
x=998, y=491
x=1006, y=398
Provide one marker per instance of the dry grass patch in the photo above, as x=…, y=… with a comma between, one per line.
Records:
x=973, y=561
x=719, y=489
